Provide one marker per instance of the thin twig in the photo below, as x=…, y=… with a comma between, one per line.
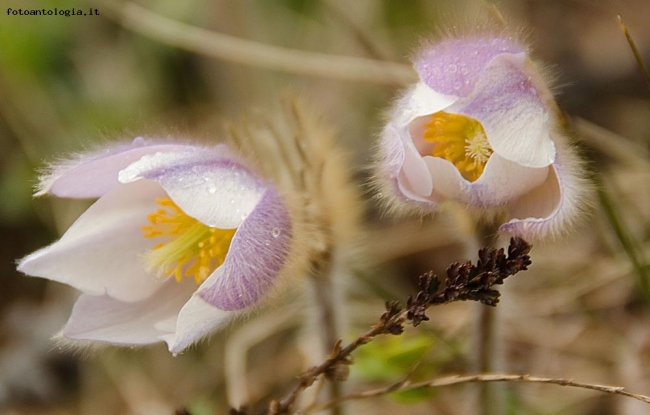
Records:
x=248, y=52
x=464, y=282
x=457, y=380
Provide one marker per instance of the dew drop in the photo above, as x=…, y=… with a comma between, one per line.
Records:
x=457, y=85
x=452, y=68
x=275, y=232
x=267, y=243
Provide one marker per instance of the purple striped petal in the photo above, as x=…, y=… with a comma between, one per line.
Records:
x=90, y=175
x=511, y=109
x=217, y=191
x=257, y=254
x=454, y=66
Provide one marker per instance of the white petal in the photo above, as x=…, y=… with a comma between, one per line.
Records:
x=512, y=111
x=90, y=175
x=215, y=190
x=197, y=319
x=501, y=182
x=414, y=170
x=447, y=181
x=553, y=207
x=106, y=319
x=422, y=100
x=101, y=252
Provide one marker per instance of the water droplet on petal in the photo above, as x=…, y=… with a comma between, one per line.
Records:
x=275, y=232
x=452, y=68
x=267, y=243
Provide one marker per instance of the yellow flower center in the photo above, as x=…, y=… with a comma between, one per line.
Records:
x=192, y=249
x=460, y=140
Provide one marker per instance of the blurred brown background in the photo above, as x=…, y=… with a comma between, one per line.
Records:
x=68, y=82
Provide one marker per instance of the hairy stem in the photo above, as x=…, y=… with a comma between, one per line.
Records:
x=490, y=397
x=326, y=299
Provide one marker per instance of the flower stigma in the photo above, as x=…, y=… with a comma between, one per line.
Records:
x=192, y=250
x=460, y=140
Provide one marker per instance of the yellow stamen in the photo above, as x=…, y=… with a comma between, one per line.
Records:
x=460, y=140
x=192, y=249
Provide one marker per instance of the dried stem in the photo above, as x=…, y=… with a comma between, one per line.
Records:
x=405, y=385
x=464, y=282
x=637, y=55
x=247, y=52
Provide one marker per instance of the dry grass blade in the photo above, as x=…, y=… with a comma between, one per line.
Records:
x=637, y=55
x=457, y=380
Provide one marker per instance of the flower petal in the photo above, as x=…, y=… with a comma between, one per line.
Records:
x=421, y=100
x=454, y=65
x=196, y=319
x=553, y=206
x=501, y=182
x=257, y=254
x=215, y=190
x=90, y=175
x=100, y=253
x=512, y=111
x=106, y=319
x=401, y=155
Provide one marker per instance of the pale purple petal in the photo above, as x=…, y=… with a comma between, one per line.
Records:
x=194, y=321
x=551, y=207
x=106, y=319
x=101, y=252
x=217, y=191
x=90, y=175
x=512, y=112
x=453, y=66
x=257, y=254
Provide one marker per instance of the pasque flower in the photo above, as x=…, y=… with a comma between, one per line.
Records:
x=181, y=239
x=481, y=128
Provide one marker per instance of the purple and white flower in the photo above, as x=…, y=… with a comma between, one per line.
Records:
x=181, y=239
x=481, y=128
